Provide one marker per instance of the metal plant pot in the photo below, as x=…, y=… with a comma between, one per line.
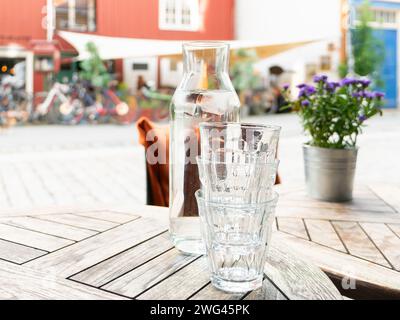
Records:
x=330, y=173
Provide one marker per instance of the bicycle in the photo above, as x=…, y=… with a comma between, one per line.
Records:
x=15, y=106
x=61, y=105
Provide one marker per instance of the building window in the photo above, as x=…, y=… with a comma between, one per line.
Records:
x=76, y=15
x=140, y=66
x=180, y=15
x=383, y=16
x=386, y=18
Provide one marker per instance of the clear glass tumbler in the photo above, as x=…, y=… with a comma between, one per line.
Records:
x=239, y=142
x=248, y=181
x=237, y=238
x=205, y=94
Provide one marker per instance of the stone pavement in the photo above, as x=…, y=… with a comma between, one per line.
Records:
x=63, y=166
x=84, y=165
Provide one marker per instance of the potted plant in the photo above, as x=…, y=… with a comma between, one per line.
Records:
x=333, y=114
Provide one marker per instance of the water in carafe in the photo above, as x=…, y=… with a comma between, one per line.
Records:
x=205, y=94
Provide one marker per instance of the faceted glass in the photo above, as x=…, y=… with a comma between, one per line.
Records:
x=250, y=182
x=239, y=141
x=237, y=238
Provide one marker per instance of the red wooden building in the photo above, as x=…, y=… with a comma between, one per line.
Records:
x=26, y=35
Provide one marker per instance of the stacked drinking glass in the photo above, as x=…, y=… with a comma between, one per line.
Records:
x=237, y=169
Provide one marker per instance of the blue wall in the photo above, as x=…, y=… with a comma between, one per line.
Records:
x=390, y=65
x=389, y=68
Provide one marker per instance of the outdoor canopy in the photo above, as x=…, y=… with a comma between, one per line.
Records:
x=121, y=48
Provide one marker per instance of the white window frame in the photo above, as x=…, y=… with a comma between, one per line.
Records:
x=72, y=17
x=194, y=6
x=384, y=24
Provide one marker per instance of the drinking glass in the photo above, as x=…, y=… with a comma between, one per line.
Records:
x=239, y=141
x=249, y=181
x=237, y=237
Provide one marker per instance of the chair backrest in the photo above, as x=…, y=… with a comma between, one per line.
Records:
x=157, y=175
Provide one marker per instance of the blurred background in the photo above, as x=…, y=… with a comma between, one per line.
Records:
x=75, y=76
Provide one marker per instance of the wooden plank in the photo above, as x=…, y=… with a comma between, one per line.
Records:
x=80, y=222
x=211, y=293
x=395, y=228
x=21, y=283
x=360, y=192
x=32, y=239
x=148, y=275
x=85, y=254
x=182, y=284
x=358, y=243
x=388, y=193
x=274, y=226
x=33, y=212
x=51, y=228
x=297, y=278
x=286, y=189
x=124, y=262
x=160, y=214
x=17, y=253
x=339, y=265
x=367, y=205
x=267, y=292
x=386, y=241
x=293, y=226
x=115, y=217
x=342, y=214
x=323, y=233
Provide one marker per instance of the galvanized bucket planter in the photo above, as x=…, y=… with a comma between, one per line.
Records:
x=330, y=173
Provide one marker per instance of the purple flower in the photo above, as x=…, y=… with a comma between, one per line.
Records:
x=310, y=90
x=379, y=95
x=364, y=82
x=286, y=87
x=362, y=118
x=301, y=86
x=357, y=94
x=368, y=95
x=348, y=82
x=302, y=93
x=335, y=83
x=321, y=78
x=331, y=86
x=305, y=103
x=307, y=91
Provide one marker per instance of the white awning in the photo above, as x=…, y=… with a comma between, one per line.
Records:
x=121, y=48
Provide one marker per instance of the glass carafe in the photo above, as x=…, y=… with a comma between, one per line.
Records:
x=205, y=94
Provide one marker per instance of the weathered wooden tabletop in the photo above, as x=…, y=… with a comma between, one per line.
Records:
x=358, y=240
x=116, y=253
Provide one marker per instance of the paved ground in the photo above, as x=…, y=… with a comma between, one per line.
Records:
x=62, y=166
x=54, y=166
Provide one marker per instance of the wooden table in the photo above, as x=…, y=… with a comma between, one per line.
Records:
x=358, y=240
x=116, y=253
